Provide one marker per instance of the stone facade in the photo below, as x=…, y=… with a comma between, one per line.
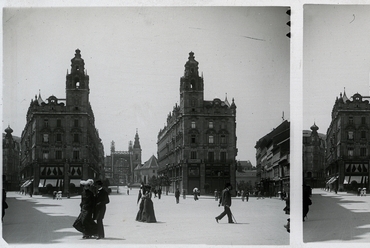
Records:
x=11, y=150
x=197, y=147
x=347, y=139
x=60, y=144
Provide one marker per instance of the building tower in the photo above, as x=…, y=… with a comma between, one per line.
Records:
x=197, y=147
x=136, y=153
x=77, y=85
x=191, y=88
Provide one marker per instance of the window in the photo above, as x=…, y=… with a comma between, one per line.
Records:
x=59, y=122
x=350, y=120
x=363, y=151
x=210, y=139
x=76, y=154
x=45, y=154
x=223, y=139
x=76, y=123
x=350, y=135
x=76, y=137
x=59, y=137
x=363, y=120
x=193, y=139
x=45, y=138
x=210, y=124
x=223, y=156
x=350, y=151
x=46, y=122
x=58, y=154
x=193, y=124
x=193, y=155
x=363, y=134
x=211, y=156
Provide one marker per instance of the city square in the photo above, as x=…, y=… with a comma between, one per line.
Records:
x=42, y=220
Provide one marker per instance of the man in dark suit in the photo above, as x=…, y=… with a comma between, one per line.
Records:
x=102, y=199
x=225, y=201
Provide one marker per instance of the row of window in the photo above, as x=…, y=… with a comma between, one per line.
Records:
x=58, y=155
x=58, y=137
x=210, y=156
x=210, y=125
x=59, y=122
x=211, y=139
x=363, y=151
x=351, y=135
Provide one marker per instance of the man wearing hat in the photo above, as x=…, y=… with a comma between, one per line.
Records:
x=102, y=199
x=225, y=200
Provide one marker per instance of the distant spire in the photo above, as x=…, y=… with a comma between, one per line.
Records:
x=226, y=101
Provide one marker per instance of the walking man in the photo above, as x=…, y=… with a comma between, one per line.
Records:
x=177, y=195
x=225, y=200
x=102, y=199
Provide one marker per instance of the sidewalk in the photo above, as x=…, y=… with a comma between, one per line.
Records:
x=342, y=217
x=42, y=220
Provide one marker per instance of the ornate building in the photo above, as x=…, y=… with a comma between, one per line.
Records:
x=273, y=160
x=314, y=148
x=347, y=139
x=120, y=165
x=11, y=152
x=60, y=144
x=197, y=147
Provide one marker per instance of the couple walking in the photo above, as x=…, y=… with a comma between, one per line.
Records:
x=93, y=207
x=146, y=208
x=225, y=200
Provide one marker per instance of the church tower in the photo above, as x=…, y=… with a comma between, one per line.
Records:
x=77, y=85
x=191, y=88
x=136, y=151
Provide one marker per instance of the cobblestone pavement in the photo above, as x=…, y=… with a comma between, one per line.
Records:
x=42, y=220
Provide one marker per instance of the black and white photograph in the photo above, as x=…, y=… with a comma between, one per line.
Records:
x=152, y=125
x=336, y=118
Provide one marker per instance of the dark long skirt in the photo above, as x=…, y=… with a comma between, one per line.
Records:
x=148, y=214
x=140, y=212
x=85, y=223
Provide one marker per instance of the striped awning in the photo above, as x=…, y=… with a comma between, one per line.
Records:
x=27, y=183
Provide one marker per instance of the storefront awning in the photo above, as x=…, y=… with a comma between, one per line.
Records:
x=356, y=178
x=346, y=180
x=53, y=182
x=27, y=183
x=76, y=182
x=332, y=180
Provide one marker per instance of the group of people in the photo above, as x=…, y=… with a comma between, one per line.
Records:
x=93, y=207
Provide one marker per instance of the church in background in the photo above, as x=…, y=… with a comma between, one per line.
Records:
x=197, y=146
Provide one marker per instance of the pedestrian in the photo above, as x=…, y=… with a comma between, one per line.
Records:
x=242, y=194
x=147, y=214
x=358, y=191
x=101, y=199
x=4, y=205
x=128, y=191
x=306, y=201
x=216, y=195
x=287, y=211
x=54, y=194
x=225, y=201
x=247, y=195
x=195, y=191
x=183, y=193
x=85, y=223
x=159, y=193
x=177, y=195
x=142, y=191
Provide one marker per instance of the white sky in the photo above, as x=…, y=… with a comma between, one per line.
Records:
x=336, y=55
x=135, y=58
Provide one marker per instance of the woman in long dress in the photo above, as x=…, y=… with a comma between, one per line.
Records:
x=146, y=210
x=89, y=227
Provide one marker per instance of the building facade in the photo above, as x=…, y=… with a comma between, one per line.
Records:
x=120, y=165
x=60, y=144
x=197, y=147
x=314, y=152
x=11, y=159
x=347, y=139
x=273, y=161
x=146, y=171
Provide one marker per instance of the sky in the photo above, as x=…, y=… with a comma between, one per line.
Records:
x=135, y=57
x=336, y=58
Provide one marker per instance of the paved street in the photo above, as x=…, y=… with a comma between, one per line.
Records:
x=42, y=220
x=337, y=218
